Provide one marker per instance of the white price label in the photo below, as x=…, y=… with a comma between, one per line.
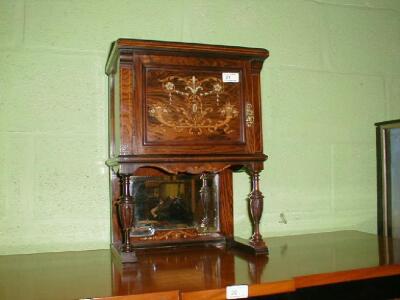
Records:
x=230, y=77
x=237, y=292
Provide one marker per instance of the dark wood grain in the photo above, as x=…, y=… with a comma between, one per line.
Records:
x=170, y=295
x=226, y=205
x=127, y=130
x=346, y=276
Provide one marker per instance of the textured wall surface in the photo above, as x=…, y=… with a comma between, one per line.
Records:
x=334, y=71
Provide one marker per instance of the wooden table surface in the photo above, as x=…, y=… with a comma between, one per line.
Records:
x=295, y=262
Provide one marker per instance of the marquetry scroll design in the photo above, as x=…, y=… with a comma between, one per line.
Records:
x=176, y=168
x=171, y=235
x=194, y=113
x=193, y=88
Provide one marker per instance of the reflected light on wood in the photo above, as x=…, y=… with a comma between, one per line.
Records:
x=295, y=262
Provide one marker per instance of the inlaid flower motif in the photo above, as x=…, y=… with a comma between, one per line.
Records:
x=217, y=87
x=229, y=111
x=169, y=86
x=152, y=111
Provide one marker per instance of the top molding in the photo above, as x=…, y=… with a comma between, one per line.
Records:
x=179, y=47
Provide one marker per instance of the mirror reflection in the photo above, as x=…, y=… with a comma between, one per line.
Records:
x=175, y=202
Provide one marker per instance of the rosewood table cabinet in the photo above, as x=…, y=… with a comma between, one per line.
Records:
x=182, y=117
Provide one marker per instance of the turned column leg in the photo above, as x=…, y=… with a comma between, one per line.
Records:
x=126, y=211
x=256, y=208
x=205, y=199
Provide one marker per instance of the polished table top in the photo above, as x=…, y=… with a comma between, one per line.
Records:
x=201, y=273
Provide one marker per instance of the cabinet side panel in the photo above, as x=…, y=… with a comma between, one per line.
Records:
x=114, y=108
x=126, y=109
x=111, y=115
x=256, y=96
x=226, y=203
x=248, y=111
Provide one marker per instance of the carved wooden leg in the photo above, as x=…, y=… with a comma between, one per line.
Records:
x=205, y=199
x=126, y=211
x=256, y=208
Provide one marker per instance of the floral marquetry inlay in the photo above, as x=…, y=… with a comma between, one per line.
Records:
x=197, y=106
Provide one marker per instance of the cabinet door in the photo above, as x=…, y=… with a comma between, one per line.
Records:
x=190, y=105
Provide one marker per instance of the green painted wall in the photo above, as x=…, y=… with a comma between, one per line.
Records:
x=334, y=70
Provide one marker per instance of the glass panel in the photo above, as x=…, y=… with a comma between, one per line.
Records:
x=174, y=202
x=395, y=180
